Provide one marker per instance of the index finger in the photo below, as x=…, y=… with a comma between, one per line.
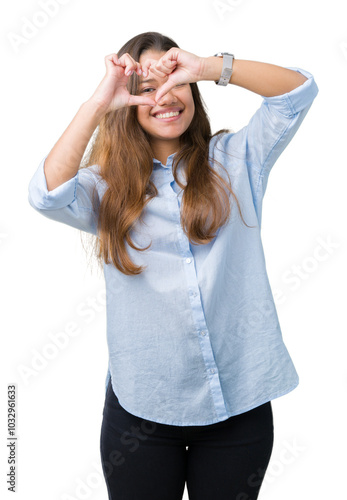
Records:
x=146, y=66
x=164, y=89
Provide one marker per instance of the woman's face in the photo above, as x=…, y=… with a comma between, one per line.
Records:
x=179, y=102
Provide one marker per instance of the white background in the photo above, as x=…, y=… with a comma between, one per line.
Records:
x=46, y=282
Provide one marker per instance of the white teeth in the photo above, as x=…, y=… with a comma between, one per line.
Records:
x=167, y=115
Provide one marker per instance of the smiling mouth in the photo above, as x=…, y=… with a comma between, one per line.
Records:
x=165, y=116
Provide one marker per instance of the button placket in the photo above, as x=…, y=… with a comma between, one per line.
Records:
x=195, y=300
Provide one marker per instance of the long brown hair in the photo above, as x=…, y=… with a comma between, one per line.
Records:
x=122, y=150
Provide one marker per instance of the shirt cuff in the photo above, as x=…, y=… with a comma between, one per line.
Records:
x=59, y=197
x=297, y=99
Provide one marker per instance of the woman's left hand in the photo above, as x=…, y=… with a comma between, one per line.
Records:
x=178, y=65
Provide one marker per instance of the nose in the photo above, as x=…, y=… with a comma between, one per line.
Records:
x=168, y=98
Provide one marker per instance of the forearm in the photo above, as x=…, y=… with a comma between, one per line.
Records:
x=262, y=78
x=64, y=159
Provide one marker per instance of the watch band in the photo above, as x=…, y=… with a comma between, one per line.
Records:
x=227, y=67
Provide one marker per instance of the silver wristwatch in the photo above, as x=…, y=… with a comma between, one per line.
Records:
x=227, y=67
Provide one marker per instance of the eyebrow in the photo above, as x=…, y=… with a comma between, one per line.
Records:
x=149, y=80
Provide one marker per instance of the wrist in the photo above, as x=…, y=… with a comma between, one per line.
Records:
x=212, y=68
x=95, y=107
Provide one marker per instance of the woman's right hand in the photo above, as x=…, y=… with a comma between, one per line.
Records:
x=112, y=93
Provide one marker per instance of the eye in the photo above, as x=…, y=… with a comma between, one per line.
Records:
x=181, y=84
x=147, y=90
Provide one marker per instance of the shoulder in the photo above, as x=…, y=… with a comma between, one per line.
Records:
x=92, y=175
x=91, y=171
x=220, y=138
x=224, y=142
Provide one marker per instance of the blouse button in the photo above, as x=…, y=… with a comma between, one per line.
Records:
x=188, y=260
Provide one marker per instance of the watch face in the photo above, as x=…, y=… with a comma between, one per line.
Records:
x=220, y=54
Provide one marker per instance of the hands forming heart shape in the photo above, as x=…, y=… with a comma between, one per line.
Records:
x=176, y=66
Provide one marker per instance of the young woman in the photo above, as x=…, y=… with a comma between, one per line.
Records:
x=195, y=347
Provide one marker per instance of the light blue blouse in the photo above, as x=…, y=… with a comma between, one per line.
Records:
x=195, y=338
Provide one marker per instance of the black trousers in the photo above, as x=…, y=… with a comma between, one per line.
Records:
x=145, y=460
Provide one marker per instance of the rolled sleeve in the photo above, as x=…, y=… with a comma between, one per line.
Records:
x=70, y=203
x=296, y=100
x=272, y=127
x=275, y=123
x=61, y=196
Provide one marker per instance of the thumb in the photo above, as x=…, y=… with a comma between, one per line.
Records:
x=135, y=100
